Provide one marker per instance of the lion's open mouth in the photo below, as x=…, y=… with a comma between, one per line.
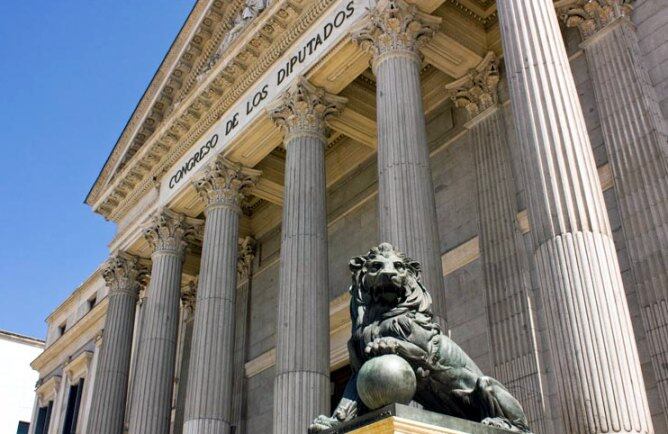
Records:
x=388, y=289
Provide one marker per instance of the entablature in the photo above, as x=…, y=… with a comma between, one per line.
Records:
x=219, y=79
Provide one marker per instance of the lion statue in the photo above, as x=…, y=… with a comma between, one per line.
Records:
x=391, y=314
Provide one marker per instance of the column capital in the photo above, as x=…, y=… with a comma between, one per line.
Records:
x=303, y=109
x=124, y=273
x=591, y=16
x=247, y=249
x=394, y=28
x=225, y=183
x=477, y=90
x=170, y=232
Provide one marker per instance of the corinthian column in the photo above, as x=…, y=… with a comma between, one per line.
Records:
x=122, y=273
x=301, y=387
x=393, y=33
x=210, y=378
x=635, y=138
x=595, y=357
x=153, y=386
x=501, y=249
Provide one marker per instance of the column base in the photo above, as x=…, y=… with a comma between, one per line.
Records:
x=402, y=419
x=206, y=426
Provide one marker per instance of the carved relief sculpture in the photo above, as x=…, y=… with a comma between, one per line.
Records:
x=391, y=315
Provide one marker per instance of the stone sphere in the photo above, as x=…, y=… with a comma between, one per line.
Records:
x=385, y=380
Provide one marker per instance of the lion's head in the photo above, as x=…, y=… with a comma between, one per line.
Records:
x=386, y=283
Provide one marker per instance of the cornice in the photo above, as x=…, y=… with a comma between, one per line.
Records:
x=208, y=102
x=486, y=20
x=164, y=86
x=83, y=330
x=74, y=296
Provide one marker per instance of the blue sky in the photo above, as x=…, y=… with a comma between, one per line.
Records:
x=71, y=72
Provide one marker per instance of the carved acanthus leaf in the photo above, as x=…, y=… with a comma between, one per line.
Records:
x=171, y=232
x=477, y=90
x=590, y=16
x=247, y=248
x=394, y=27
x=189, y=297
x=124, y=272
x=226, y=183
x=304, y=109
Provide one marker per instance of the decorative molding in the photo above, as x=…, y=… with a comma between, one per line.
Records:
x=394, y=28
x=477, y=91
x=171, y=232
x=303, y=109
x=165, y=84
x=80, y=333
x=591, y=16
x=124, y=273
x=225, y=183
x=252, y=8
x=247, y=249
x=48, y=390
x=78, y=367
x=189, y=297
x=279, y=27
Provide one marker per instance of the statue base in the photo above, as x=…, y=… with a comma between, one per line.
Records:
x=398, y=418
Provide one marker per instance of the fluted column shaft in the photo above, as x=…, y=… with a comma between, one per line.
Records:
x=504, y=267
x=406, y=201
x=502, y=255
x=634, y=135
x=188, y=295
x=301, y=386
x=122, y=274
x=244, y=274
x=599, y=378
x=153, y=385
x=210, y=380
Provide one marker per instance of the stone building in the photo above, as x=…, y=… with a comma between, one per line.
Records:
x=516, y=148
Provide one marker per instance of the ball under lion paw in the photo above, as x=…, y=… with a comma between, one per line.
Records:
x=384, y=380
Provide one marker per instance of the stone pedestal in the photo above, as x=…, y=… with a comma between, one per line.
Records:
x=402, y=419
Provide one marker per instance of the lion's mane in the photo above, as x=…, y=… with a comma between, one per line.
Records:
x=414, y=307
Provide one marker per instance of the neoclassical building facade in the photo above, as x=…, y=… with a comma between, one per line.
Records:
x=517, y=149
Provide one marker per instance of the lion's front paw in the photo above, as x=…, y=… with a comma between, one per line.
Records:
x=323, y=423
x=382, y=346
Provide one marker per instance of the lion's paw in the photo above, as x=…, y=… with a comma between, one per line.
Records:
x=323, y=423
x=382, y=346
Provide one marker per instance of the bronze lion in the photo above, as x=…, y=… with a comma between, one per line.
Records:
x=391, y=314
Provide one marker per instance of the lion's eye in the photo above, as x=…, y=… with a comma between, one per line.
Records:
x=399, y=265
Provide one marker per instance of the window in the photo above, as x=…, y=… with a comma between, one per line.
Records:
x=73, y=404
x=23, y=428
x=61, y=329
x=91, y=303
x=43, y=419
